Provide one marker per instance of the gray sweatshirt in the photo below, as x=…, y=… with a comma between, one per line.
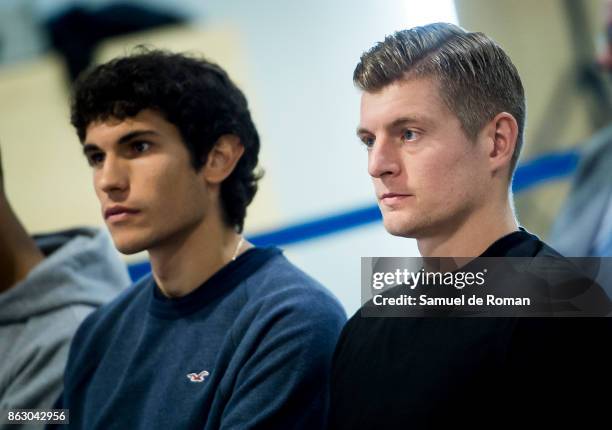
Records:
x=39, y=316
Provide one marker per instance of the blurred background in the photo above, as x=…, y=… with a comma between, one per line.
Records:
x=294, y=61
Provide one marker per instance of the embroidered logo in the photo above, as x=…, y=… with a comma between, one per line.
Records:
x=198, y=377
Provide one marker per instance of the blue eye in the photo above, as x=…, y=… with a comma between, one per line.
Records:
x=368, y=141
x=409, y=135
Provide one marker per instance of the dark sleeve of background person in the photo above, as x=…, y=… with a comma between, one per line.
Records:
x=18, y=251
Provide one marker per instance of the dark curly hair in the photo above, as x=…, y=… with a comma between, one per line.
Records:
x=194, y=94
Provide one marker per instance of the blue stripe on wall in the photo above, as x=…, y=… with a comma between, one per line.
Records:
x=545, y=168
x=319, y=227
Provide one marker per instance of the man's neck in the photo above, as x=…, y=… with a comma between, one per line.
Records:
x=473, y=236
x=187, y=262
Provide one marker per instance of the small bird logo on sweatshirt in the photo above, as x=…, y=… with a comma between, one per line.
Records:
x=198, y=377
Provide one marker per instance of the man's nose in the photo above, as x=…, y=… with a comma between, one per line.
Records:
x=113, y=177
x=383, y=158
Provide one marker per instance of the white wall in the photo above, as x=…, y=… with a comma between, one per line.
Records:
x=302, y=56
x=294, y=60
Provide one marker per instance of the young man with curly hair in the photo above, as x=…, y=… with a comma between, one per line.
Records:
x=222, y=334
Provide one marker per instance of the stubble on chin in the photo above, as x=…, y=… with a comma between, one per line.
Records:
x=398, y=227
x=128, y=246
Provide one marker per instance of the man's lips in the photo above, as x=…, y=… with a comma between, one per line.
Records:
x=117, y=212
x=393, y=195
x=391, y=198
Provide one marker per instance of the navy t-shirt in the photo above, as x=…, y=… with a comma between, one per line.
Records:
x=251, y=348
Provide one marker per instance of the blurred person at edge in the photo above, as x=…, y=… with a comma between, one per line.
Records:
x=583, y=227
x=48, y=285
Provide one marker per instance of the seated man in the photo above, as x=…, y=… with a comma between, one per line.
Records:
x=48, y=285
x=442, y=117
x=222, y=334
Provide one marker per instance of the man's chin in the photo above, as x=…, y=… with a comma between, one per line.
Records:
x=129, y=247
x=401, y=229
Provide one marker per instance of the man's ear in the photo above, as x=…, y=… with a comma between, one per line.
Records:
x=502, y=132
x=222, y=158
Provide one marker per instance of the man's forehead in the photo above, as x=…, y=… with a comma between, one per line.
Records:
x=110, y=127
x=109, y=122
x=410, y=92
x=415, y=99
x=103, y=130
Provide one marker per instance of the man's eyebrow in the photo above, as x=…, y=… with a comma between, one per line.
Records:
x=136, y=133
x=406, y=120
x=395, y=124
x=361, y=131
x=90, y=147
